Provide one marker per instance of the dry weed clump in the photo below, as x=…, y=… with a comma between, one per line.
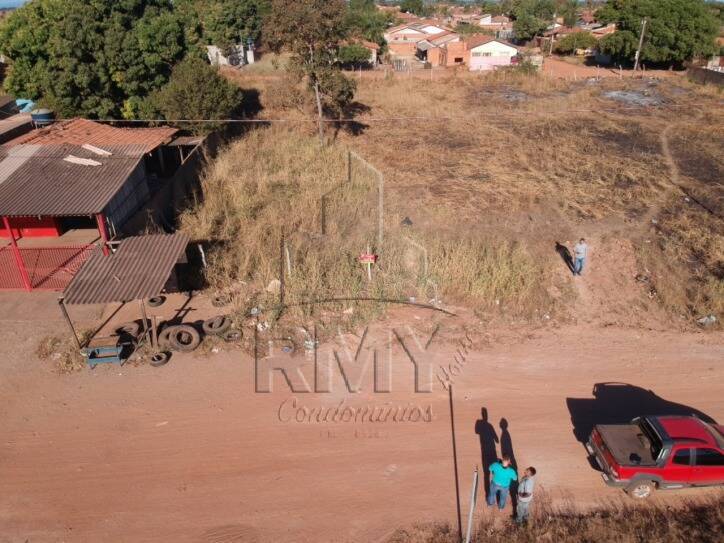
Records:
x=692, y=238
x=484, y=154
x=701, y=521
x=63, y=351
x=279, y=207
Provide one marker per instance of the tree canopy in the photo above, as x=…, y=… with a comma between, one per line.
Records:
x=676, y=31
x=104, y=59
x=196, y=91
x=577, y=40
x=414, y=6
x=313, y=31
x=366, y=21
x=223, y=23
x=532, y=17
x=90, y=57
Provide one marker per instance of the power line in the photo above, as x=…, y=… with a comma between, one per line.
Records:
x=496, y=114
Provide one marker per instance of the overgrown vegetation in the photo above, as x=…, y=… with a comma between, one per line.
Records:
x=532, y=160
x=277, y=183
x=701, y=520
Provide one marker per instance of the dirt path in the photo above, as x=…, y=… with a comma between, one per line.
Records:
x=191, y=453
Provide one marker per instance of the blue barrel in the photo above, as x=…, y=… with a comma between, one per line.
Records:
x=42, y=117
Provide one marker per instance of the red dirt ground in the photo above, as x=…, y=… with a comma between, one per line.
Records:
x=189, y=452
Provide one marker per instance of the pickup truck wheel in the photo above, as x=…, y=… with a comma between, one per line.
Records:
x=641, y=490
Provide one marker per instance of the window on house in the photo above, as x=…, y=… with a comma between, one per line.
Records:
x=487, y=54
x=477, y=54
x=458, y=60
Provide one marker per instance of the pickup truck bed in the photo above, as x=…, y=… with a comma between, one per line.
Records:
x=627, y=444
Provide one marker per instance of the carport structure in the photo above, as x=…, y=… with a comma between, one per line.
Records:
x=137, y=268
x=74, y=172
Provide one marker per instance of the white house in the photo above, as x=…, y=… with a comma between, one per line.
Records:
x=488, y=53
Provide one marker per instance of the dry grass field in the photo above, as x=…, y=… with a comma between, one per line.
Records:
x=701, y=520
x=491, y=170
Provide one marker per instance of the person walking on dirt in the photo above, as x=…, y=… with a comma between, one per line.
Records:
x=525, y=495
x=580, y=252
x=502, y=475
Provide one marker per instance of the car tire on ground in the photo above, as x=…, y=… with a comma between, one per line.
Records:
x=163, y=337
x=640, y=490
x=216, y=326
x=156, y=301
x=159, y=359
x=184, y=338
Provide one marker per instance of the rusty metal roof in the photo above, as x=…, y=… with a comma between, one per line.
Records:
x=84, y=131
x=47, y=180
x=138, y=269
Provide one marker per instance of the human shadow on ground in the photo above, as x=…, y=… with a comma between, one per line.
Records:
x=488, y=450
x=619, y=403
x=565, y=254
x=506, y=449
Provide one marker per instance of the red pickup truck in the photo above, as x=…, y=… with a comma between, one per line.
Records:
x=659, y=453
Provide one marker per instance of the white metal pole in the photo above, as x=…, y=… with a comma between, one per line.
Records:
x=473, y=503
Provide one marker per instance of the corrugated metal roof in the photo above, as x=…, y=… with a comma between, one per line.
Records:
x=38, y=180
x=138, y=269
x=14, y=122
x=84, y=131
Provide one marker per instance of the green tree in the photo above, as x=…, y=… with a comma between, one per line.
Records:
x=353, y=55
x=578, y=40
x=196, y=91
x=413, y=6
x=224, y=23
x=676, y=30
x=366, y=21
x=532, y=17
x=312, y=30
x=93, y=58
x=568, y=9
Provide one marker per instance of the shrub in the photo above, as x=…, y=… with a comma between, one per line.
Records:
x=578, y=40
x=354, y=55
x=197, y=91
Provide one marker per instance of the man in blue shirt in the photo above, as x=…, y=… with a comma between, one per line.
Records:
x=502, y=475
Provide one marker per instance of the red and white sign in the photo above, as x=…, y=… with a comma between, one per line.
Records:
x=367, y=258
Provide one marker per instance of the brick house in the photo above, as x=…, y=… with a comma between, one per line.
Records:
x=402, y=40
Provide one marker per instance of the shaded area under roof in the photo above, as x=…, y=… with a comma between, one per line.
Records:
x=39, y=180
x=138, y=269
x=84, y=131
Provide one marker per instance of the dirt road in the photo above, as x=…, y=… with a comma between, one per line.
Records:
x=189, y=452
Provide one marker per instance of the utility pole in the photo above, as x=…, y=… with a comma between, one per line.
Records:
x=641, y=44
x=455, y=462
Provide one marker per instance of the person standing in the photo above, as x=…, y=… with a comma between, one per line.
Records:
x=502, y=475
x=525, y=495
x=580, y=252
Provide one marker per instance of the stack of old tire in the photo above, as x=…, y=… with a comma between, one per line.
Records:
x=186, y=338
